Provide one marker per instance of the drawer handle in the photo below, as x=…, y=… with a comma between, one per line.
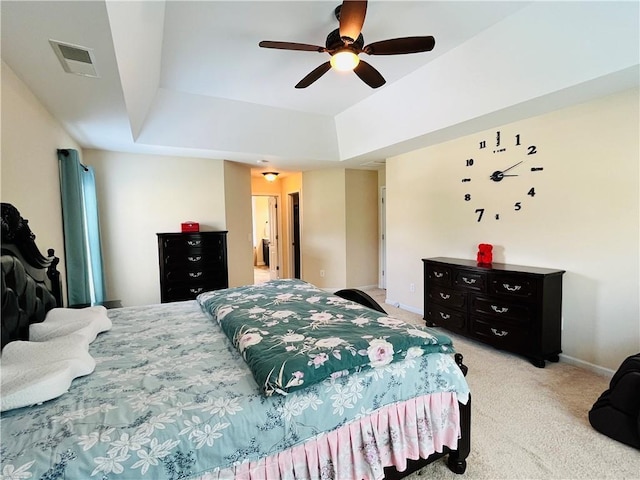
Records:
x=195, y=259
x=194, y=243
x=499, y=309
x=508, y=287
x=469, y=281
x=500, y=333
x=195, y=274
x=445, y=316
x=438, y=274
x=196, y=290
x=445, y=296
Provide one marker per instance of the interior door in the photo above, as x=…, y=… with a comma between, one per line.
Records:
x=274, y=264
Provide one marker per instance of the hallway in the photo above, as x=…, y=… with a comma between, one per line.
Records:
x=260, y=274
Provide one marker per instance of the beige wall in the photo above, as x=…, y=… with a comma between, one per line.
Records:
x=340, y=236
x=584, y=218
x=362, y=228
x=324, y=230
x=237, y=192
x=142, y=195
x=29, y=162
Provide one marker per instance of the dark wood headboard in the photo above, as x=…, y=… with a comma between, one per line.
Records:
x=30, y=281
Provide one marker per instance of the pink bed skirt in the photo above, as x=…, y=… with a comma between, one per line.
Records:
x=360, y=450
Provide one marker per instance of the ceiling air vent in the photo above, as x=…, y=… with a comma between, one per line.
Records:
x=375, y=163
x=75, y=59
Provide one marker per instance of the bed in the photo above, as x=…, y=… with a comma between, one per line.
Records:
x=181, y=390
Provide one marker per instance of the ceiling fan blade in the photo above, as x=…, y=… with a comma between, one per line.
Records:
x=291, y=46
x=399, y=46
x=369, y=75
x=352, y=15
x=314, y=75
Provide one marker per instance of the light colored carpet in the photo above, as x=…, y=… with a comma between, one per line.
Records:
x=528, y=422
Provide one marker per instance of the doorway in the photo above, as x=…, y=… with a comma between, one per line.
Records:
x=294, y=208
x=266, y=264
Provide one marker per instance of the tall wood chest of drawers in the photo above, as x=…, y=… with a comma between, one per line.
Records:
x=191, y=263
x=511, y=307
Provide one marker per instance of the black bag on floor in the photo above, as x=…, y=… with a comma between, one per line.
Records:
x=617, y=412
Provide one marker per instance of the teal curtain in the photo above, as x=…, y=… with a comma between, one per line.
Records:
x=83, y=252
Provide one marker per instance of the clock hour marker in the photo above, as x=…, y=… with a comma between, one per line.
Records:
x=483, y=144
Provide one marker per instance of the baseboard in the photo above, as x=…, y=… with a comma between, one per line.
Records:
x=402, y=306
x=587, y=366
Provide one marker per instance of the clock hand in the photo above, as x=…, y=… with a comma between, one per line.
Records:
x=499, y=175
x=512, y=167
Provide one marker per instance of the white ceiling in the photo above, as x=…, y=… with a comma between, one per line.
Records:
x=188, y=78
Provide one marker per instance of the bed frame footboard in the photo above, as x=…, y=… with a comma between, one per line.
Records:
x=457, y=460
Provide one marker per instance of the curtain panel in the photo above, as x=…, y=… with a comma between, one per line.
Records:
x=83, y=252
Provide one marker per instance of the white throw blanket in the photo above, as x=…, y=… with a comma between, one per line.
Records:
x=43, y=368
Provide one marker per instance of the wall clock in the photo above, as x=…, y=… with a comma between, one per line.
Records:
x=500, y=177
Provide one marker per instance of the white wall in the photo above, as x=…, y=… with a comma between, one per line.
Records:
x=30, y=178
x=140, y=196
x=584, y=218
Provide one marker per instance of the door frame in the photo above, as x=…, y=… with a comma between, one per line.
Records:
x=382, y=238
x=291, y=236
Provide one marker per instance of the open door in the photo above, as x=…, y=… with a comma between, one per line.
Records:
x=274, y=263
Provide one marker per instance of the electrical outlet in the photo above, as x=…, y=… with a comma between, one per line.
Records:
x=322, y=273
x=412, y=287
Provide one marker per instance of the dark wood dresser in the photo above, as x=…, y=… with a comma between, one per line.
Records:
x=191, y=263
x=511, y=307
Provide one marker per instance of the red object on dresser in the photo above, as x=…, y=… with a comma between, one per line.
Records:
x=485, y=254
x=190, y=227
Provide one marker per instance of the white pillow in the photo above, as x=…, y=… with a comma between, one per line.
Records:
x=58, y=322
x=34, y=372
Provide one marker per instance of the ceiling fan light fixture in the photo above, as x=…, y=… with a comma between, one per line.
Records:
x=345, y=60
x=270, y=176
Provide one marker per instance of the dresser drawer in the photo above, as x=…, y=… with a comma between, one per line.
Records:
x=514, y=285
x=441, y=316
x=446, y=297
x=179, y=292
x=498, y=334
x=195, y=275
x=494, y=307
x=439, y=274
x=471, y=280
x=193, y=260
x=192, y=243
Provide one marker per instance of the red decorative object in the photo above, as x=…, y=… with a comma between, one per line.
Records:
x=485, y=254
x=190, y=227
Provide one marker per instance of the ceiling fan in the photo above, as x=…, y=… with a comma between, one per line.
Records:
x=345, y=43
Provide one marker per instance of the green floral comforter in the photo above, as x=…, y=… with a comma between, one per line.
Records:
x=292, y=334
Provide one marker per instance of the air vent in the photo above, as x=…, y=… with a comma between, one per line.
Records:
x=75, y=59
x=375, y=163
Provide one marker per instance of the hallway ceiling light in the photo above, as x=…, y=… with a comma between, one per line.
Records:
x=270, y=176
